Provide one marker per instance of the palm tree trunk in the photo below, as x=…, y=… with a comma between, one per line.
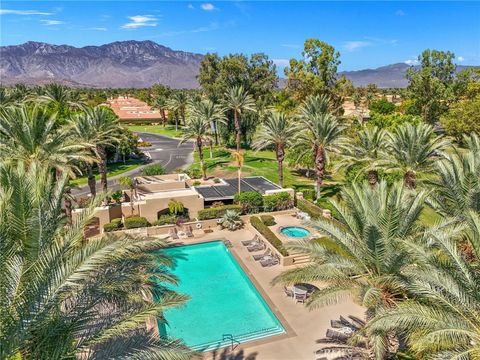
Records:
x=200, y=155
x=372, y=177
x=215, y=131
x=164, y=118
x=410, y=179
x=102, y=167
x=92, y=183
x=211, y=148
x=239, y=174
x=319, y=167
x=280, y=157
x=131, y=201
x=176, y=121
x=237, y=129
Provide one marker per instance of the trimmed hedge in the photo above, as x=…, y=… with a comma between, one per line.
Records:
x=268, y=220
x=278, y=201
x=115, y=224
x=135, y=222
x=165, y=220
x=217, y=212
x=249, y=200
x=306, y=206
x=268, y=234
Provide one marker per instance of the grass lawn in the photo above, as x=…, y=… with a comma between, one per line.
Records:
x=168, y=130
x=113, y=170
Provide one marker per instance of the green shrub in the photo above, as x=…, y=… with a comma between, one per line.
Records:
x=250, y=201
x=115, y=224
x=306, y=206
x=278, y=201
x=326, y=204
x=135, y=222
x=117, y=196
x=268, y=220
x=382, y=106
x=165, y=220
x=309, y=194
x=195, y=172
x=217, y=212
x=152, y=170
x=268, y=234
x=196, y=183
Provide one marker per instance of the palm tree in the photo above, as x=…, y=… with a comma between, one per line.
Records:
x=367, y=149
x=317, y=131
x=128, y=182
x=414, y=148
x=177, y=104
x=30, y=135
x=96, y=127
x=238, y=100
x=64, y=298
x=276, y=131
x=161, y=103
x=362, y=254
x=442, y=319
x=59, y=98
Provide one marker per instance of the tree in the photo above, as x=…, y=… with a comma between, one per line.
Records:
x=64, y=298
x=99, y=128
x=30, y=135
x=462, y=118
x=382, y=106
x=316, y=72
x=317, y=131
x=414, y=148
x=60, y=99
x=367, y=149
x=276, y=132
x=239, y=101
x=177, y=104
x=130, y=183
x=432, y=85
x=211, y=113
x=161, y=103
x=361, y=254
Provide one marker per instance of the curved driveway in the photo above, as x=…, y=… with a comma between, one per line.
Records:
x=164, y=150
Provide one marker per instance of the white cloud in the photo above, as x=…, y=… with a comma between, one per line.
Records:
x=139, y=21
x=190, y=6
x=281, y=62
x=52, y=22
x=207, y=6
x=411, y=62
x=354, y=45
x=291, y=46
x=400, y=13
x=97, y=28
x=22, y=12
x=460, y=59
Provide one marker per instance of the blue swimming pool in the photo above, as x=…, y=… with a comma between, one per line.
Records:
x=295, y=231
x=223, y=300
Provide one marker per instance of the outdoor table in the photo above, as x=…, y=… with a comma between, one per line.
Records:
x=299, y=290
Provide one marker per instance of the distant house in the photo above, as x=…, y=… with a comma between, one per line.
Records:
x=133, y=110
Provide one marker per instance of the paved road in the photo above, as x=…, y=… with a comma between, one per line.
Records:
x=164, y=150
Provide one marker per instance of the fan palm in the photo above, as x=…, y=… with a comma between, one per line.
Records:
x=238, y=100
x=414, y=148
x=276, y=131
x=366, y=149
x=98, y=128
x=442, y=321
x=161, y=104
x=177, y=104
x=361, y=255
x=317, y=131
x=29, y=134
x=64, y=298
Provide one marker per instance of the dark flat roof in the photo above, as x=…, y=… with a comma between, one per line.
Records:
x=227, y=191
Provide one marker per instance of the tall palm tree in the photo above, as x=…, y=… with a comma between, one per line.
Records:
x=161, y=103
x=362, y=255
x=367, y=149
x=277, y=132
x=317, y=131
x=238, y=100
x=442, y=318
x=211, y=113
x=96, y=127
x=59, y=98
x=32, y=135
x=414, y=148
x=177, y=104
x=198, y=130
x=64, y=298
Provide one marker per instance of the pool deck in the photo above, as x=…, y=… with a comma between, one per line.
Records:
x=303, y=326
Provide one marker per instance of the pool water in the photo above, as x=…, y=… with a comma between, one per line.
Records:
x=223, y=300
x=295, y=231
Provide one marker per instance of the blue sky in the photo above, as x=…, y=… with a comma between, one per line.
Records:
x=367, y=34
